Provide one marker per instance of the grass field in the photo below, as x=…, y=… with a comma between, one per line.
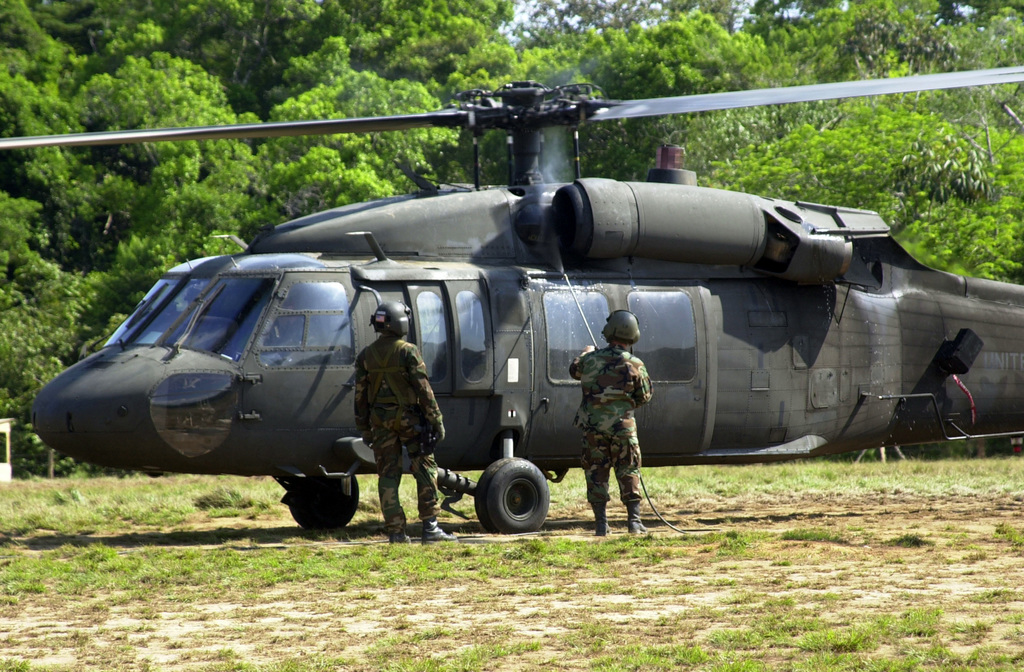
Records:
x=814, y=566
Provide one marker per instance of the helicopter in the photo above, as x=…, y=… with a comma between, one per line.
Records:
x=773, y=330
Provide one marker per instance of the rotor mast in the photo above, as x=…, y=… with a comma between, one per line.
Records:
x=523, y=110
x=526, y=138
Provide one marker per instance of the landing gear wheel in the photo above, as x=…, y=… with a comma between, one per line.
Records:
x=320, y=503
x=483, y=514
x=512, y=497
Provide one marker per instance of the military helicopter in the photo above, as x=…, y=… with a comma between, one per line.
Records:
x=773, y=330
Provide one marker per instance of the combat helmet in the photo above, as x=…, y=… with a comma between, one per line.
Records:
x=622, y=326
x=391, y=316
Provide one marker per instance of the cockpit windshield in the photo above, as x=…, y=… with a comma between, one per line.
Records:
x=144, y=326
x=223, y=319
x=216, y=315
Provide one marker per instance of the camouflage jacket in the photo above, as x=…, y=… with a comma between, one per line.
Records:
x=614, y=382
x=391, y=358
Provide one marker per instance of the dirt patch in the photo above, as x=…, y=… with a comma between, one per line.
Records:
x=770, y=579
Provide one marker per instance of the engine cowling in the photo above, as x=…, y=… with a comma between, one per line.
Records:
x=604, y=219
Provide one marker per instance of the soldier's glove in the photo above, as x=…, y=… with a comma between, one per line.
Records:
x=367, y=438
x=430, y=435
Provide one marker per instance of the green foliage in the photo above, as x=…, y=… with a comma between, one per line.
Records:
x=691, y=55
x=418, y=40
x=839, y=641
x=919, y=622
x=1011, y=534
x=909, y=541
x=88, y=230
x=40, y=308
x=815, y=534
x=308, y=174
x=26, y=48
x=954, y=206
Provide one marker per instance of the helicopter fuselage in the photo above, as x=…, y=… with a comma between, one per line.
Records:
x=805, y=333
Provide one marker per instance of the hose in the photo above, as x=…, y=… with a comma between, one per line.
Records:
x=643, y=485
x=651, y=504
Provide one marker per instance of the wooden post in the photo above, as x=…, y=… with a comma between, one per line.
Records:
x=6, y=470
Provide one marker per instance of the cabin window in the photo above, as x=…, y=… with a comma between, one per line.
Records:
x=567, y=333
x=668, y=335
x=311, y=328
x=472, y=336
x=433, y=335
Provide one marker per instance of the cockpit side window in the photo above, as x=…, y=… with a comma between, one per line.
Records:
x=472, y=335
x=246, y=317
x=310, y=329
x=433, y=334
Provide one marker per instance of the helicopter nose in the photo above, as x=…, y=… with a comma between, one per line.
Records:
x=128, y=408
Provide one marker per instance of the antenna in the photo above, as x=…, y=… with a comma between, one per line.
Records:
x=378, y=251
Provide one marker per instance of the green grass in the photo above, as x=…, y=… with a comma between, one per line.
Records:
x=778, y=573
x=109, y=505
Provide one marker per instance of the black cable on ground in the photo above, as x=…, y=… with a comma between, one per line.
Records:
x=651, y=504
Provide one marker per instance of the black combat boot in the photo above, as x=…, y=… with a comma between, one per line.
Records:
x=399, y=537
x=600, y=519
x=633, y=518
x=432, y=533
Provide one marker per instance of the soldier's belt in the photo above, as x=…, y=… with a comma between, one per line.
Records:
x=392, y=407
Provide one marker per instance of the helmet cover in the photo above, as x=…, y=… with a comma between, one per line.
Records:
x=622, y=326
x=391, y=316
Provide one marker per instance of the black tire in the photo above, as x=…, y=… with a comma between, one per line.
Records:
x=513, y=497
x=483, y=514
x=320, y=503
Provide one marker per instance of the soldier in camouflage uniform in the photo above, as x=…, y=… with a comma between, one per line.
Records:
x=393, y=402
x=614, y=383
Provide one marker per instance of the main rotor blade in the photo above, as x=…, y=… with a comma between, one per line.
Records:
x=443, y=118
x=652, y=107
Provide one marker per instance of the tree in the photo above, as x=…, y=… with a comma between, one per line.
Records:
x=192, y=188
x=939, y=195
x=768, y=15
x=871, y=38
x=546, y=22
x=419, y=40
x=692, y=55
x=25, y=48
x=304, y=175
x=40, y=309
x=978, y=12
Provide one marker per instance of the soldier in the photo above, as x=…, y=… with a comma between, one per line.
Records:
x=614, y=382
x=394, y=404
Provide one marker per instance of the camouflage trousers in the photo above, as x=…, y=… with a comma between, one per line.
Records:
x=604, y=452
x=387, y=452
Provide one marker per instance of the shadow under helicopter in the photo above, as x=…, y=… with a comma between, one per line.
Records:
x=371, y=533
